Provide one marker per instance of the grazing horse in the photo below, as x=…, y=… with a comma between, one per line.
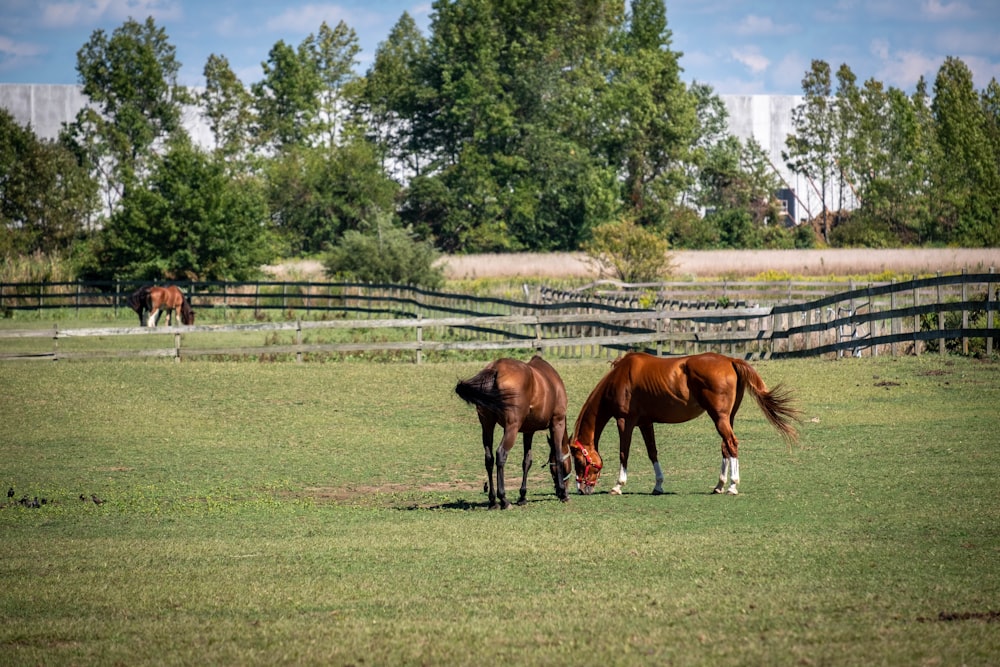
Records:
x=521, y=398
x=154, y=299
x=642, y=390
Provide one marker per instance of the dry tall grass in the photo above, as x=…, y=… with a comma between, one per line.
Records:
x=737, y=263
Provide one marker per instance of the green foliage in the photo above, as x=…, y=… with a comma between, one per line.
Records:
x=386, y=254
x=318, y=194
x=192, y=221
x=46, y=197
x=131, y=82
x=632, y=253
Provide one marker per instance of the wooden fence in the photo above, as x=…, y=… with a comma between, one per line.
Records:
x=937, y=314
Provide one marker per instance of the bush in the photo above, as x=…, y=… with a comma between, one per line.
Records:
x=633, y=253
x=389, y=254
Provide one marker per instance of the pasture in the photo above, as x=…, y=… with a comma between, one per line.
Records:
x=333, y=513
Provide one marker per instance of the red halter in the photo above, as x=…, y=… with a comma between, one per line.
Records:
x=581, y=479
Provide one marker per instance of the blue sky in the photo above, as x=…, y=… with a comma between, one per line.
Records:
x=736, y=46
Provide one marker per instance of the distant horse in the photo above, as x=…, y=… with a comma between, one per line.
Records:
x=153, y=299
x=521, y=398
x=642, y=390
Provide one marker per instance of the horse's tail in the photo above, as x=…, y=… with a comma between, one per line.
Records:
x=483, y=391
x=776, y=404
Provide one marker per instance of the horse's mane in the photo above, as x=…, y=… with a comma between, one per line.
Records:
x=593, y=403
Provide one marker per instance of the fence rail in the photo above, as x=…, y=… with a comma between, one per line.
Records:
x=954, y=312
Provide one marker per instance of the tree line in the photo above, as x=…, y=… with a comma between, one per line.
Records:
x=546, y=126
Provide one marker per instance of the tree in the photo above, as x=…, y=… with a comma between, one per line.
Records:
x=393, y=93
x=227, y=105
x=316, y=195
x=811, y=149
x=192, y=221
x=967, y=182
x=333, y=52
x=651, y=117
x=135, y=103
x=286, y=99
x=46, y=196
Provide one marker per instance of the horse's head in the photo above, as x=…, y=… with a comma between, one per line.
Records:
x=187, y=314
x=588, y=463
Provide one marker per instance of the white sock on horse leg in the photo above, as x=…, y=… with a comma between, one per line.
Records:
x=622, y=478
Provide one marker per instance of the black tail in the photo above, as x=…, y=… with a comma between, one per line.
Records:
x=483, y=391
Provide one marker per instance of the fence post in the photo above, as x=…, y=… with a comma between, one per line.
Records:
x=916, y=318
x=965, y=311
x=940, y=300
x=298, y=340
x=420, y=340
x=989, y=315
x=55, y=341
x=177, y=348
x=893, y=323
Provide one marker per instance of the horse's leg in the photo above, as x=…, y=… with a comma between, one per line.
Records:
x=624, y=445
x=153, y=314
x=649, y=437
x=730, y=455
x=509, y=436
x=488, y=427
x=525, y=467
x=557, y=433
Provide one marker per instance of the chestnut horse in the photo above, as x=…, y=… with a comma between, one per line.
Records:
x=153, y=299
x=642, y=390
x=521, y=398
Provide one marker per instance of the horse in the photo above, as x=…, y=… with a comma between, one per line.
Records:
x=154, y=299
x=642, y=390
x=521, y=398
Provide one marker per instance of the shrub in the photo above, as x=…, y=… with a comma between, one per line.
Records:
x=388, y=254
x=632, y=253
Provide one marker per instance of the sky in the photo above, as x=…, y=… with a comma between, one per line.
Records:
x=736, y=46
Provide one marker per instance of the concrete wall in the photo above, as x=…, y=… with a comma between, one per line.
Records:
x=767, y=118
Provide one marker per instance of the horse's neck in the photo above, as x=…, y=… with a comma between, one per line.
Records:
x=592, y=418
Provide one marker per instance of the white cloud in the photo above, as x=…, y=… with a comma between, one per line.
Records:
x=751, y=58
x=937, y=10
x=762, y=25
x=75, y=12
x=307, y=18
x=903, y=69
x=11, y=48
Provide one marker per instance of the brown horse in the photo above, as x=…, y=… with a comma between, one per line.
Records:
x=521, y=398
x=642, y=390
x=153, y=299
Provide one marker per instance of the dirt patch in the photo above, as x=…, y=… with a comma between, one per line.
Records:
x=949, y=616
x=366, y=493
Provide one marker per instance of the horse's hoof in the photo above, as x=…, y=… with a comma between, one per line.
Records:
x=522, y=501
x=615, y=491
x=732, y=491
x=564, y=499
x=717, y=490
x=657, y=492
x=493, y=506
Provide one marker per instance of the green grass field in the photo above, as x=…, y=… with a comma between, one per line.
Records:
x=333, y=514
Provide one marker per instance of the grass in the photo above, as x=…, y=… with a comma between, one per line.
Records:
x=333, y=514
